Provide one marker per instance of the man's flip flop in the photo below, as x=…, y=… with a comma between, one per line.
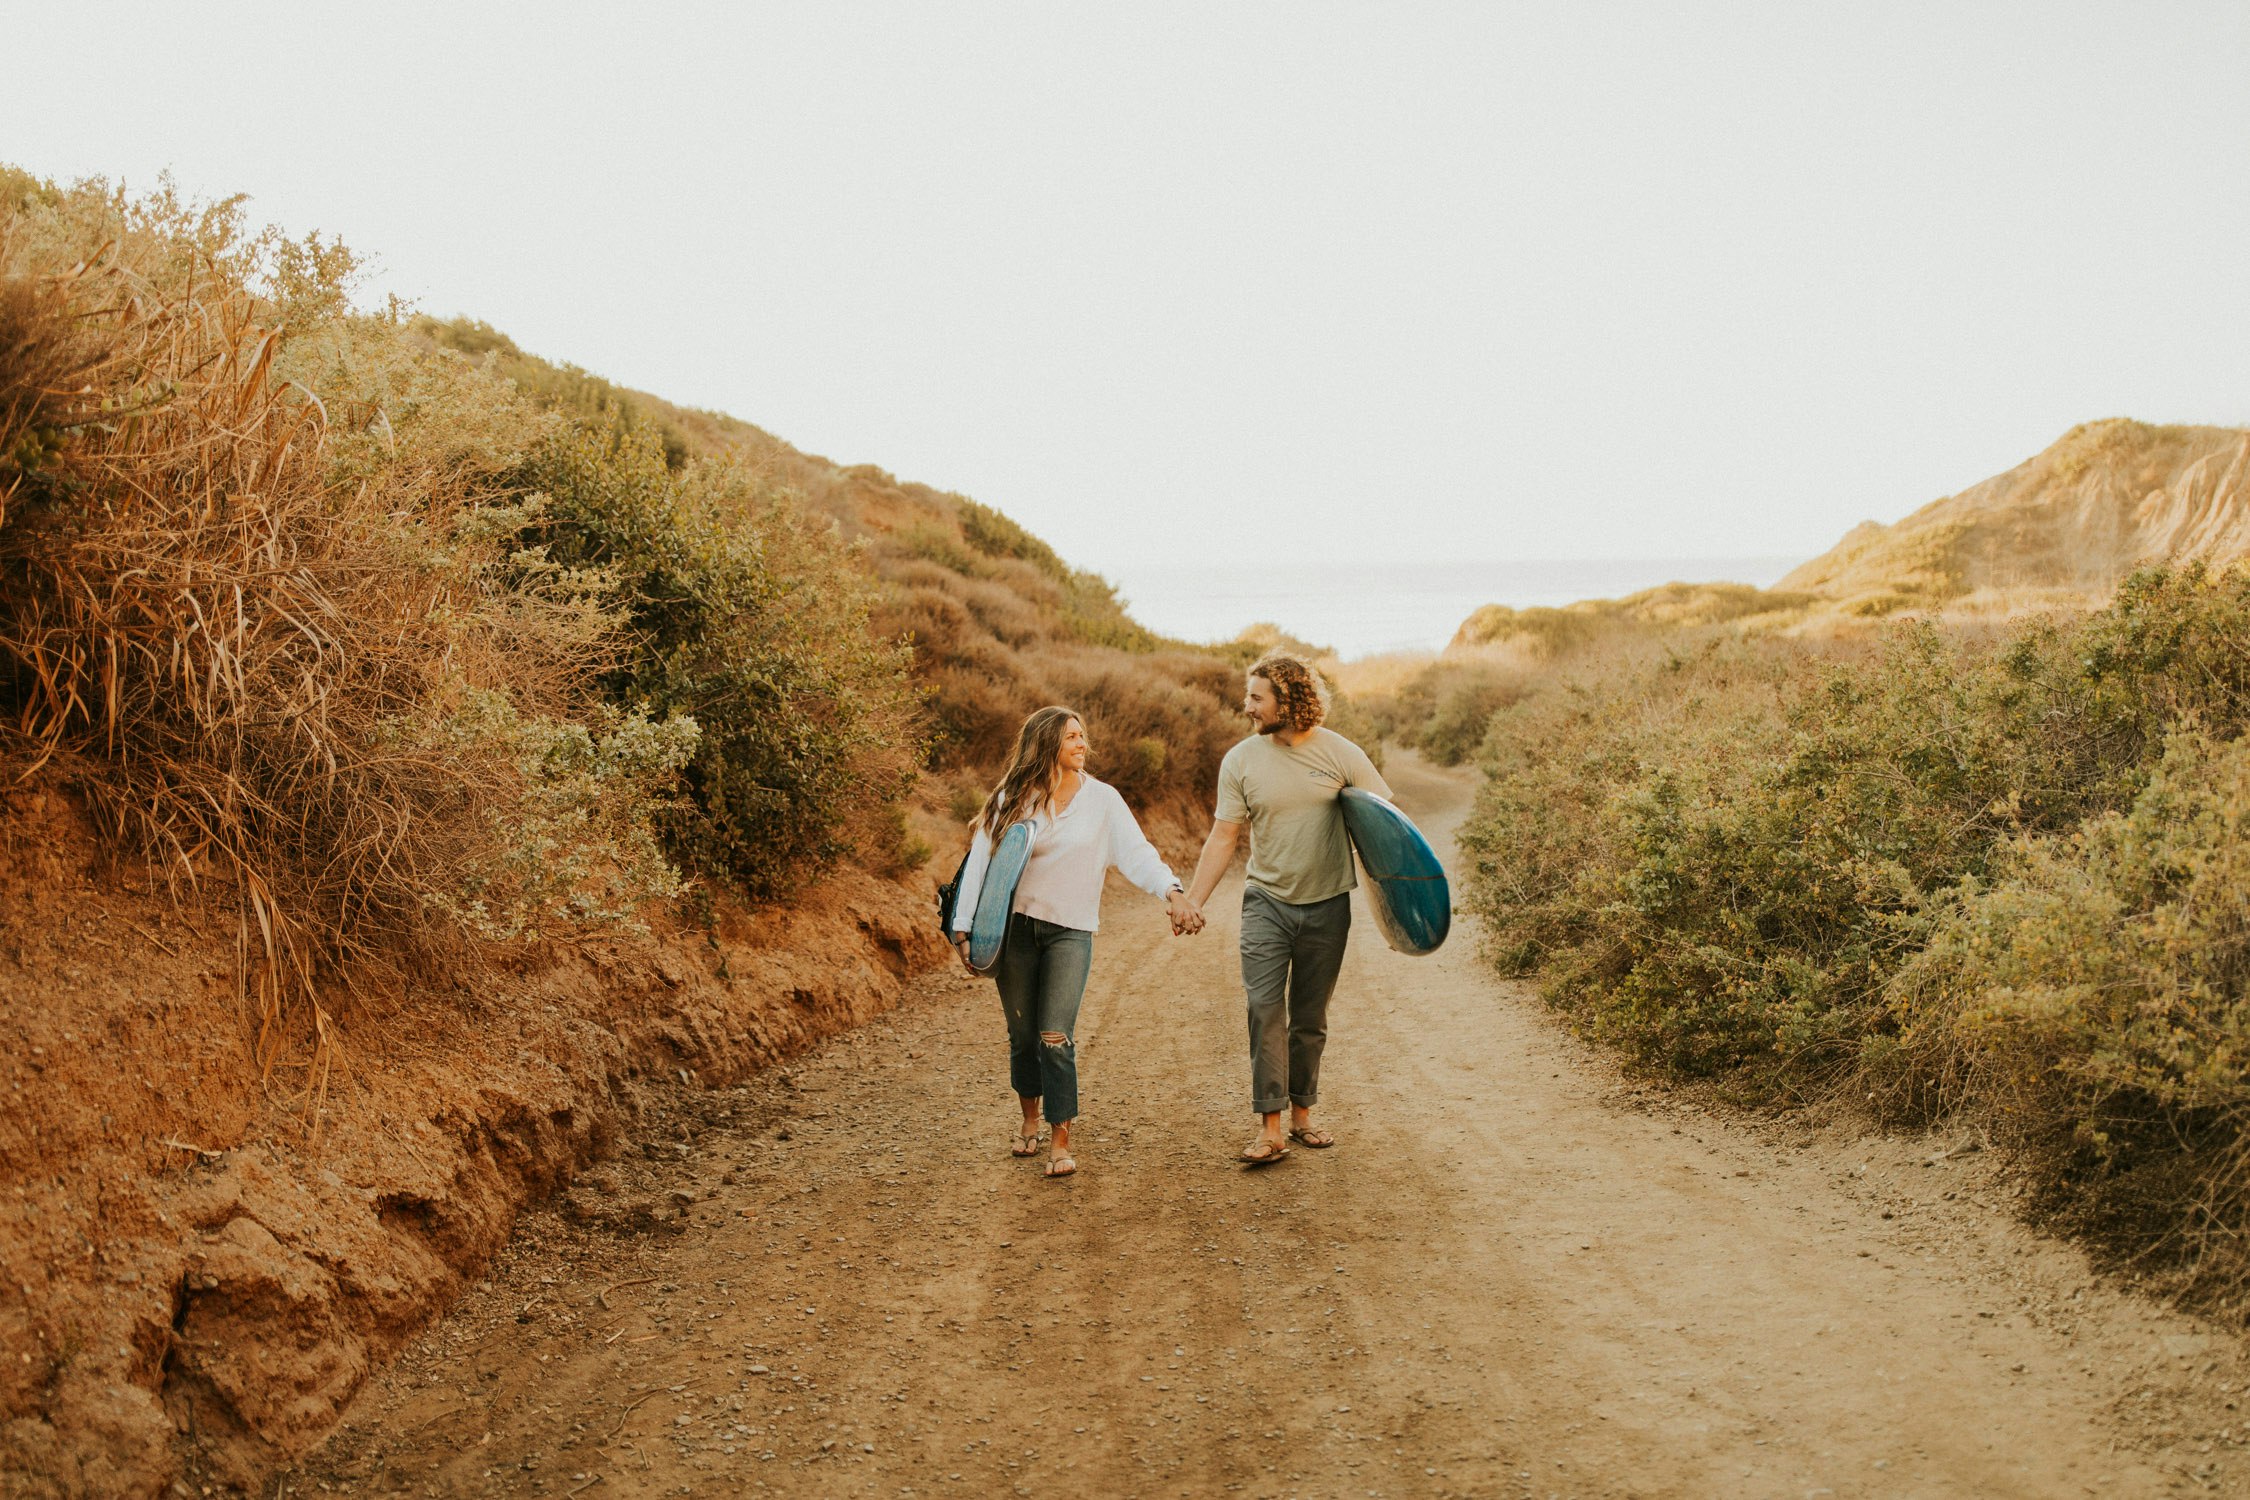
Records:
x=1313, y=1136
x=1026, y=1145
x=1260, y=1154
x=1061, y=1166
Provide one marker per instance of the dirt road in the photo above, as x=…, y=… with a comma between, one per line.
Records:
x=1517, y=1274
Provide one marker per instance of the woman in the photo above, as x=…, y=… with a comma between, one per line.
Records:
x=1080, y=828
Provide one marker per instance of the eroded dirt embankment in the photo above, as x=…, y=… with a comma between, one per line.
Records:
x=190, y=1286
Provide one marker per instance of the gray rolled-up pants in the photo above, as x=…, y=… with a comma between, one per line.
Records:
x=1290, y=957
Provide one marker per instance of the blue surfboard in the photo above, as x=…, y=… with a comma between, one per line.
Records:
x=989, y=927
x=1406, y=885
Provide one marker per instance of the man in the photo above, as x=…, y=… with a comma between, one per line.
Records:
x=1283, y=785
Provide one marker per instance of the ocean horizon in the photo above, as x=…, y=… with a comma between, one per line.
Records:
x=1378, y=608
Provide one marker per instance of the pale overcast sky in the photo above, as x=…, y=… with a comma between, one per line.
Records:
x=1305, y=282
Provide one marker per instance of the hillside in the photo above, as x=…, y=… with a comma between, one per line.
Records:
x=998, y=622
x=412, y=753
x=1669, y=606
x=2061, y=529
x=2068, y=524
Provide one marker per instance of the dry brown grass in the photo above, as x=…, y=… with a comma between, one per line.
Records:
x=1380, y=676
x=247, y=669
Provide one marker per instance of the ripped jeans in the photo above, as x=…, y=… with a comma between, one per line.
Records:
x=1041, y=972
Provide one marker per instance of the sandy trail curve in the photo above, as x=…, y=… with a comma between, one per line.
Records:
x=1517, y=1274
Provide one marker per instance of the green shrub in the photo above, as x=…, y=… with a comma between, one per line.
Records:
x=587, y=399
x=1768, y=858
x=2093, y=1002
x=995, y=535
x=1615, y=841
x=1461, y=708
x=1958, y=873
x=575, y=846
x=751, y=621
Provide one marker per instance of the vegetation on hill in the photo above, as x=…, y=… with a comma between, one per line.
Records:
x=1546, y=633
x=996, y=622
x=324, y=616
x=1993, y=877
x=400, y=632
x=1888, y=832
x=2059, y=531
x=410, y=659
x=1499, y=655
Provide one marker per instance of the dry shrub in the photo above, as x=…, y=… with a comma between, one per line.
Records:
x=48, y=380
x=1442, y=708
x=1546, y=632
x=1160, y=723
x=1380, y=676
x=1501, y=654
x=994, y=643
x=1157, y=721
x=311, y=674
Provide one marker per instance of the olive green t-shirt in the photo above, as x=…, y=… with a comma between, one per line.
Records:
x=1299, y=852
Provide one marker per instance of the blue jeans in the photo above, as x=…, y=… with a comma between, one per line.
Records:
x=1290, y=958
x=1041, y=973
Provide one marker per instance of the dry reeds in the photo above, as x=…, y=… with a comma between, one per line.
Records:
x=246, y=668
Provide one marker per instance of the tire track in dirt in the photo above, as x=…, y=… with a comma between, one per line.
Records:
x=1517, y=1275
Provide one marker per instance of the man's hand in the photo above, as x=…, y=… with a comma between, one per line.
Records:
x=961, y=946
x=1187, y=917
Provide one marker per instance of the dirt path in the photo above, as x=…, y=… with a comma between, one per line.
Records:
x=1517, y=1275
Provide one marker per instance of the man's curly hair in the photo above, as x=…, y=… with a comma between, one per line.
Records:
x=1303, y=697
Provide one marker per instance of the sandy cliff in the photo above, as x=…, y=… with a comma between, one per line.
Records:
x=2108, y=498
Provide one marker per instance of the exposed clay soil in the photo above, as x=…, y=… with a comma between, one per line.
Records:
x=1517, y=1274
x=191, y=1286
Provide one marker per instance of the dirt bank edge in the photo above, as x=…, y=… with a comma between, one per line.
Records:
x=190, y=1287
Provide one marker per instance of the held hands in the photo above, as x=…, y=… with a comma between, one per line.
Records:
x=1187, y=917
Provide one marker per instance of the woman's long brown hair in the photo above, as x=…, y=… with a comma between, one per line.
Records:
x=1030, y=775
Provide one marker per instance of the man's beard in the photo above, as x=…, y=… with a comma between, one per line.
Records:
x=1273, y=725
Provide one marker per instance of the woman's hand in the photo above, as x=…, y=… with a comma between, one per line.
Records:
x=1187, y=917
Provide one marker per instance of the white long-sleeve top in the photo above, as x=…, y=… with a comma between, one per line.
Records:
x=1070, y=854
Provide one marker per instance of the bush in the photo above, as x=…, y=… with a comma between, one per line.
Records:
x=262, y=617
x=995, y=535
x=2091, y=1001
x=1932, y=866
x=751, y=621
x=1444, y=709
x=995, y=636
x=1443, y=706
x=1608, y=844
x=988, y=609
x=344, y=617
x=1769, y=855
x=588, y=400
